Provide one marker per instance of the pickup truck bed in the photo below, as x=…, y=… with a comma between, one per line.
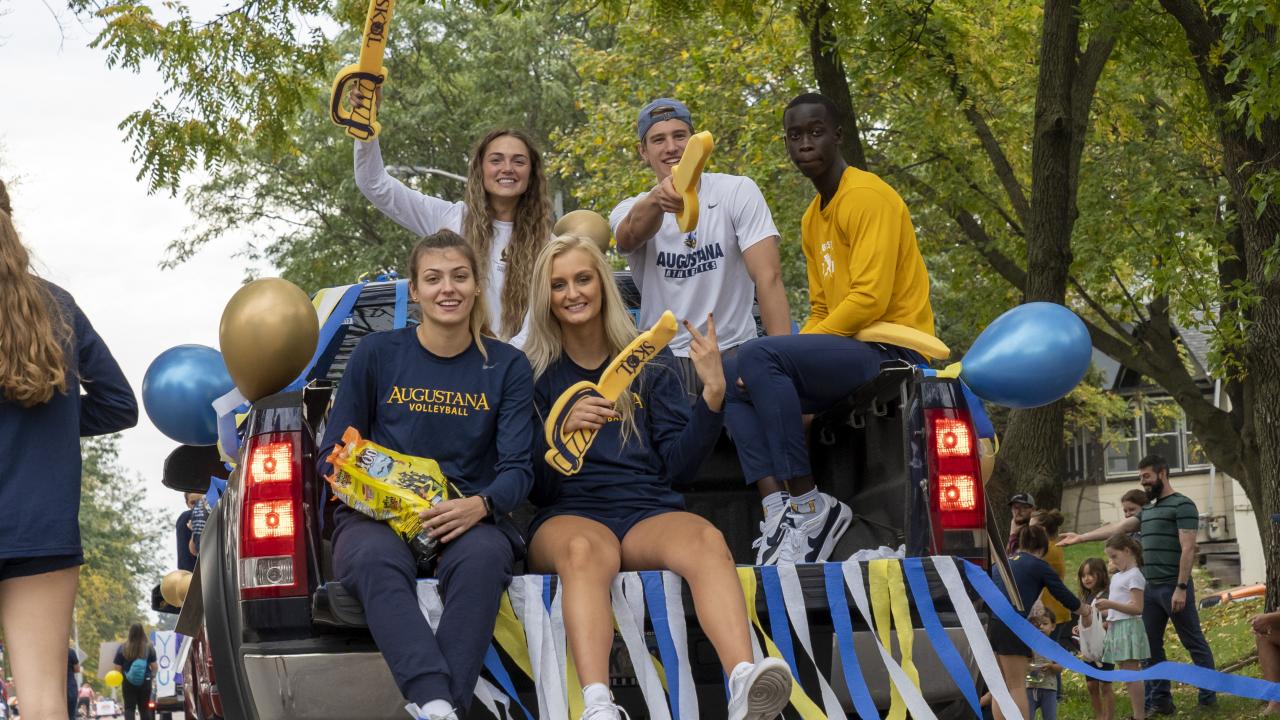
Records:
x=302, y=650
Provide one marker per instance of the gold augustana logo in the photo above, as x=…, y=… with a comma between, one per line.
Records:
x=440, y=402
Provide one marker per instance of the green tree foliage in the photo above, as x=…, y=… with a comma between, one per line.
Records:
x=123, y=546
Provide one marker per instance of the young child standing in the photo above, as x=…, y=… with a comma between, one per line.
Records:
x=1043, y=675
x=1094, y=578
x=1126, y=643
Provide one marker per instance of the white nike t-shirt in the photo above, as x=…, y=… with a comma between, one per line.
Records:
x=423, y=215
x=693, y=274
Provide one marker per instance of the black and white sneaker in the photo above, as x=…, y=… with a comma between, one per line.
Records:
x=813, y=539
x=772, y=531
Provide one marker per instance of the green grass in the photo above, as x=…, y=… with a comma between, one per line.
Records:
x=1226, y=628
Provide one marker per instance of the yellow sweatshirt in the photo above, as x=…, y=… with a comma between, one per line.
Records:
x=863, y=262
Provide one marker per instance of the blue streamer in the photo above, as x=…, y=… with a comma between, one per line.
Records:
x=938, y=637
x=328, y=331
x=546, y=592
x=1177, y=672
x=779, y=626
x=656, y=598
x=863, y=705
x=493, y=664
x=981, y=423
x=217, y=486
x=402, y=305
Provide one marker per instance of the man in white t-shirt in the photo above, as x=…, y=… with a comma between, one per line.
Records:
x=720, y=267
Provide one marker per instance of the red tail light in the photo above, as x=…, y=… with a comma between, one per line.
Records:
x=272, y=551
x=956, y=501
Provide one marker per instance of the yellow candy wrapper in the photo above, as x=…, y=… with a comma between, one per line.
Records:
x=389, y=486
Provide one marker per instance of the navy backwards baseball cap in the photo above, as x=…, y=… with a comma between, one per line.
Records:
x=1022, y=499
x=659, y=110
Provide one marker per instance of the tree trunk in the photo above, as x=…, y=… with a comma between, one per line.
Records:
x=1246, y=156
x=1032, y=456
x=833, y=82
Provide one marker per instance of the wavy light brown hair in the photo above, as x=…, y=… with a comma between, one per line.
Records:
x=529, y=233
x=34, y=334
x=450, y=240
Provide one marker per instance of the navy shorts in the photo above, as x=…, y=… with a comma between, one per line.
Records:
x=25, y=567
x=619, y=524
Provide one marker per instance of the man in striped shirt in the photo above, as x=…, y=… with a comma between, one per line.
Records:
x=1168, y=524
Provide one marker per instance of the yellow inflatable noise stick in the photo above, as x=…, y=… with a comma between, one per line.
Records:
x=906, y=337
x=567, y=449
x=361, y=122
x=685, y=176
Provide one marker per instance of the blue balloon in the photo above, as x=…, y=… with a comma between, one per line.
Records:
x=179, y=389
x=1029, y=356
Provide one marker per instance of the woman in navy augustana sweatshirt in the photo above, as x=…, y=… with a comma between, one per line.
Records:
x=619, y=511
x=444, y=391
x=58, y=383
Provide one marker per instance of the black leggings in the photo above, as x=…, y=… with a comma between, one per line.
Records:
x=139, y=697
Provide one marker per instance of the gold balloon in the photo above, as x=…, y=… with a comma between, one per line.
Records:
x=173, y=587
x=114, y=678
x=267, y=336
x=586, y=223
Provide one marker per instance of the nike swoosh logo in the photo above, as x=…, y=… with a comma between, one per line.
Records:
x=815, y=543
x=712, y=204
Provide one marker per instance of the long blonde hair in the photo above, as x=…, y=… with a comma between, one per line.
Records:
x=530, y=230
x=545, y=343
x=449, y=240
x=35, y=333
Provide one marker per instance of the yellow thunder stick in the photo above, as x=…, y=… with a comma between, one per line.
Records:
x=906, y=337
x=390, y=486
x=361, y=121
x=567, y=449
x=685, y=176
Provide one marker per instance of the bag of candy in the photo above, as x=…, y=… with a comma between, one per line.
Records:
x=390, y=486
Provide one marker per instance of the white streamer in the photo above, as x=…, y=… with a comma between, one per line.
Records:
x=628, y=610
x=973, y=630
x=911, y=696
x=672, y=585
x=548, y=676
x=793, y=601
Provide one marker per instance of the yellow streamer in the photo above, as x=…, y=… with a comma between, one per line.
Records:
x=576, y=703
x=510, y=636
x=799, y=700
x=889, y=607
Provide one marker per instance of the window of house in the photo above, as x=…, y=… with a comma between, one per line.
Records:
x=1160, y=429
x=1124, y=453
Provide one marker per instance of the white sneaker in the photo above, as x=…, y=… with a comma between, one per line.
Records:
x=761, y=691
x=772, y=530
x=604, y=711
x=813, y=540
x=418, y=713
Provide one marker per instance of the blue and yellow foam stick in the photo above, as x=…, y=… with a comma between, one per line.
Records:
x=361, y=121
x=567, y=449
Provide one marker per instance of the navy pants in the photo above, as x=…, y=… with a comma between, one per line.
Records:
x=1157, y=611
x=375, y=565
x=787, y=376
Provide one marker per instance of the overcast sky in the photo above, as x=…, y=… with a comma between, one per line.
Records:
x=92, y=227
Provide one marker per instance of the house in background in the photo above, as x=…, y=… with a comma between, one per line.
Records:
x=1097, y=475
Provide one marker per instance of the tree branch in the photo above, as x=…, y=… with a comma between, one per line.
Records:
x=995, y=153
x=832, y=80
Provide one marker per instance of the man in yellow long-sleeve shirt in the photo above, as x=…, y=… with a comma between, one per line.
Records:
x=864, y=266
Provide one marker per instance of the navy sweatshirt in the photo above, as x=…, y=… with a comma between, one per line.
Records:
x=473, y=417
x=40, y=445
x=1032, y=575
x=620, y=478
